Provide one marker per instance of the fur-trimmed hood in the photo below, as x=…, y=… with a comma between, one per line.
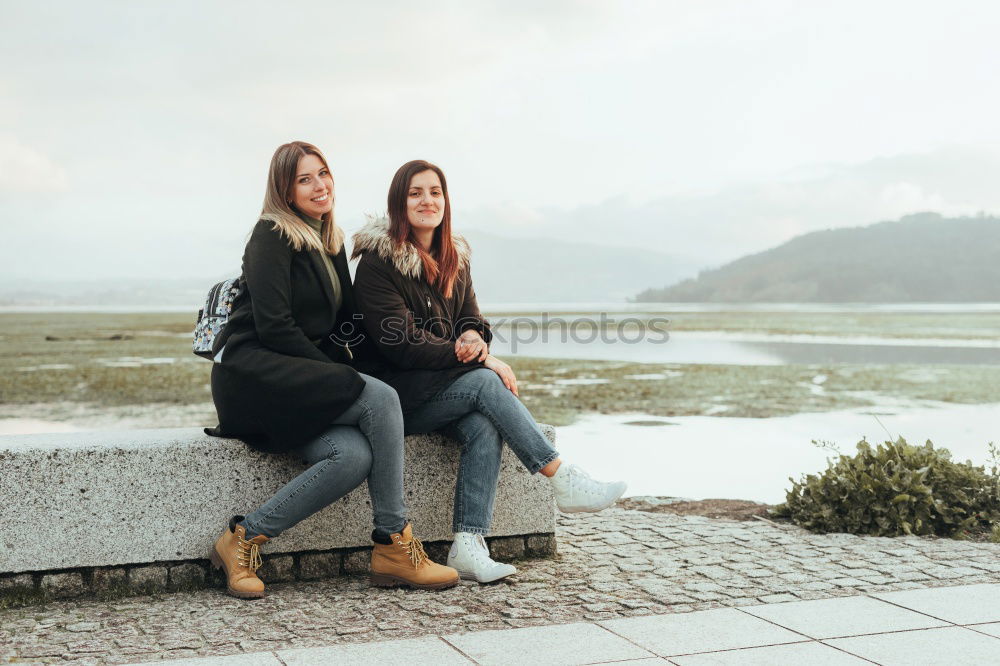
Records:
x=374, y=237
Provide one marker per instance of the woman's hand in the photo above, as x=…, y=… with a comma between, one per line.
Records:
x=505, y=372
x=470, y=346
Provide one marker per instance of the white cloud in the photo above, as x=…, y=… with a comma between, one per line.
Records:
x=549, y=118
x=713, y=227
x=903, y=197
x=24, y=169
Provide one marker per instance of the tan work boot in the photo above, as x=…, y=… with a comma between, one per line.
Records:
x=240, y=559
x=404, y=562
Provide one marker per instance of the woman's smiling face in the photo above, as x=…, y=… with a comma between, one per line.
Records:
x=312, y=191
x=425, y=201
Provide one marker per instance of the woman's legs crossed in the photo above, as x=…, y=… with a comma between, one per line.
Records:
x=365, y=441
x=481, y=390
x=377, y=414
x=340, y=459
x=469, y=410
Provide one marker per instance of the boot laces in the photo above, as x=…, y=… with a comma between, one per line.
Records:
x=248, y=554
x=415, y=550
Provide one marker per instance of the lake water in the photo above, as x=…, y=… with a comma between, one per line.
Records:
x=702, y=457
x=581, y=340
x=707, y=348
x=598, y=306
x=637, y=308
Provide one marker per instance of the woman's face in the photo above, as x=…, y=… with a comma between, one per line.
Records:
x=425, y=201
x=312, y=191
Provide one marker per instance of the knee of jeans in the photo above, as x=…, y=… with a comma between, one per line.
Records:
x=478, y=432
x=382, y=395
x=486, y=379
x=356, y=455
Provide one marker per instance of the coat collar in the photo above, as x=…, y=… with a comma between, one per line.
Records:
x=374, y=237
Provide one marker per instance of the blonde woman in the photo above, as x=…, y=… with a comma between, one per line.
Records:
x=284, y=382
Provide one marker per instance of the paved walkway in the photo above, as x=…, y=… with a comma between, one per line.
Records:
x=945, y=625
x=613, y=566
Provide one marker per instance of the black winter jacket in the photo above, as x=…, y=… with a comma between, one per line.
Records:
x=286, y=373
x=410, y=322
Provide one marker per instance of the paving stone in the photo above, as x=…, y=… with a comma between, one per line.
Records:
x=186, y=576
x=847, y=582
x=559, y=644
x=506, y=548
x=109, y=579
x=847, y=616
x=692, y=568
x=777, y=598
x=16, y=582
x=151, y=579
x=64, y=585
x=438, y=550
x=721, y=629
x=313, y=566
x=427, y=650
x=992, y=629
x=813, y=654
x=541, y=545
x=358, y=562
x=78, y=627
x=950, y=645
x=967, y=604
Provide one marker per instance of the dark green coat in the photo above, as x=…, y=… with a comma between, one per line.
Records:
x=285, y=373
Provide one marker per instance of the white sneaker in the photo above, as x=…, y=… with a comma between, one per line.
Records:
x=470, y=556
x=576, y=492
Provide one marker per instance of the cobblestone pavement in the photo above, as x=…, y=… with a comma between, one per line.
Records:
x=615, y=564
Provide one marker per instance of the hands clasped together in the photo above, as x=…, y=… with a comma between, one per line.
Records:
x=470, y=346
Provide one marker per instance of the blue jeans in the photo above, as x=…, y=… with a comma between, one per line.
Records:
x=481, y=413
x=366, y=441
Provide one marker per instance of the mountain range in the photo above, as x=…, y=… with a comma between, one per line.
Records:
x=920, y=258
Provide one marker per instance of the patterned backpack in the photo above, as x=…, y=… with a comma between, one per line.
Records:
x=213, y=317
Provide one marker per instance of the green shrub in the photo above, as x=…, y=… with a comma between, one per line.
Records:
x=892, y=489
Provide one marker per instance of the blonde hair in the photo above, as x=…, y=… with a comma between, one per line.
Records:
x=278, y=210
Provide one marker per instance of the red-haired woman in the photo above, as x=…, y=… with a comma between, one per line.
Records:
x=414, y=290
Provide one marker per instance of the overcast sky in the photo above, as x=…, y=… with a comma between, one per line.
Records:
x=135, y=137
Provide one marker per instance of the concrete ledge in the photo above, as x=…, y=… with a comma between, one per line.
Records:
x=108, y=499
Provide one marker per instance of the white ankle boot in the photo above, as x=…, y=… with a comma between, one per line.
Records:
x=576, y=492
x=470, y=556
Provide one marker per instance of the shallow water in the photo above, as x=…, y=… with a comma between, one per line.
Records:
x=33, y=426
x=703, y=457
x=619, y=306
x=697, y=348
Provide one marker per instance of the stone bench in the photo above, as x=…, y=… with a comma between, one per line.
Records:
x=141, y=508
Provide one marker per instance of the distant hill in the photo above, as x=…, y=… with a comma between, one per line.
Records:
x=127, y=292
x=922, y=257
x=507, y=270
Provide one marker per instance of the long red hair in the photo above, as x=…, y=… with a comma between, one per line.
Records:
x=441, y=263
